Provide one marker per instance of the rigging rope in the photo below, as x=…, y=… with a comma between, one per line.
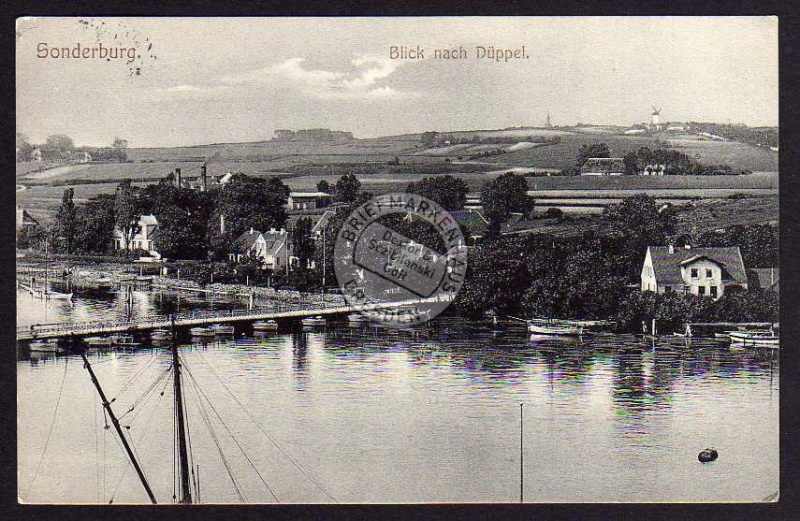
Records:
x=52, y=424
x=241, y=449
x=225, y=463
x=134, y=377
x=283, y=451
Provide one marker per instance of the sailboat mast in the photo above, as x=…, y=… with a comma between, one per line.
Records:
x=186, y=492
x=115, y=422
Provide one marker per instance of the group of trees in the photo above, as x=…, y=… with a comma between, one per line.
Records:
x=674, y=161
x=62, y=147
x=191, y=224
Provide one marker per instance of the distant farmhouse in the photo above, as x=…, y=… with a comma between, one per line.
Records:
x=142, y=239
x=699, y=271
x=308, y=200
x=603, y=166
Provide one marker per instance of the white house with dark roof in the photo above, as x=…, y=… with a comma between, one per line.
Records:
x=142, y=239
x=705, y=271
x=272, y=247
x=307, y=200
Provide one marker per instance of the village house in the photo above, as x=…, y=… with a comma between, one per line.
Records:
x=272, y=247
x=25, y=220
x=142, y=239
x=603, y=166
x=705, y=271
x=81, y=156
x=307, y=200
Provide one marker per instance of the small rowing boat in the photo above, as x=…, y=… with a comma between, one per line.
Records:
x=552, y=326
x=755, y=338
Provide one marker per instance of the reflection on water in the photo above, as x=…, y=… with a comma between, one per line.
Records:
x=366, y=414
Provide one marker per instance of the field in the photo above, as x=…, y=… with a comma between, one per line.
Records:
x=694, y=218
x=303, y=164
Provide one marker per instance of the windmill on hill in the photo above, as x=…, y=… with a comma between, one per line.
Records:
x=655, y=118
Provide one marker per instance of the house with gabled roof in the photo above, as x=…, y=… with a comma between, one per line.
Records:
x=142, y=239
x=703, y=271
x=272, y=247
x=603, y=166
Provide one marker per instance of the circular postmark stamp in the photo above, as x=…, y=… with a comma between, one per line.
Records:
x=400, y=259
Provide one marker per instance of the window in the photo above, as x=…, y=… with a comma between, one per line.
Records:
x=694, y=273
x=709, y=273
x=701, y=290
x=714, y=291
x=686, y=289
x=667, y=289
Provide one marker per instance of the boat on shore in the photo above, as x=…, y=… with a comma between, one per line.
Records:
x=265, y=325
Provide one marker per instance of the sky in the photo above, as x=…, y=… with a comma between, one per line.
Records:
x=209, y=80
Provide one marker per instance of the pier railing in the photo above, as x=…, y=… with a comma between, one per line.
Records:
x=148, y=322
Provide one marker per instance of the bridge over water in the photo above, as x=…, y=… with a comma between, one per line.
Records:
x=146, y=323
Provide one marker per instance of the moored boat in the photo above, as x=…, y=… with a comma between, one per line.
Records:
x=222, y=329
x=202, y=331
x=358, y=318
x=45, y=346
x=755, y=338
x=313, y=321
x=160, y=334
x=97, y=342
x=265, y=325
x=124, y=341
x=550, y=326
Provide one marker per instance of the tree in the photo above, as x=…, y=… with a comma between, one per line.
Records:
x=347, y=189
x=65, y=223
x=24, y=148
x=95, y=225
x=125, y=212
x=302, y=242
x=593, y=150
x=640, y=222
x=448, y=191
x=246, y=202
x=60, y=143
x=324, y=186
x=120, y=149
x=428, y=138
x=631, y=161
x=501, y=197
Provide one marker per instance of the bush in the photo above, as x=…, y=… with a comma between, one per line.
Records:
x=554, y=213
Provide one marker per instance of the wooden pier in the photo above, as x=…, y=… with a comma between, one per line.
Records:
x=146, y=323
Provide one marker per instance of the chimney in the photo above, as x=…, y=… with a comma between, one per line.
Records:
x=178, y=182
x=671, y=249
x=203, y=180
x=251, y=231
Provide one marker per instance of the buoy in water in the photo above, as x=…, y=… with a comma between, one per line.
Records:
x=707, y=455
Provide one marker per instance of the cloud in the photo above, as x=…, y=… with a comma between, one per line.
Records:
x=192, y=91
x=363, y=82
